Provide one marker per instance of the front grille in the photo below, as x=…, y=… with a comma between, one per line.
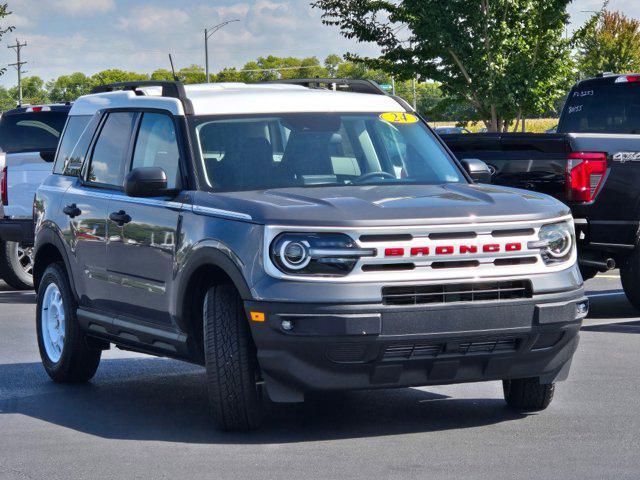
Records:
x=489, y=346
x=412, y=351
x=406, y=351
x=456, y=292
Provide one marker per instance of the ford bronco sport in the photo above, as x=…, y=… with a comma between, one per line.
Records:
x=294, y=240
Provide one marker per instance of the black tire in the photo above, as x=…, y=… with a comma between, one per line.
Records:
x=230, y=357
x=78, y=359
x=630, y=277
x=13, y=271
x=527, y=394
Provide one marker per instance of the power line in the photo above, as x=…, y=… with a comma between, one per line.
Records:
x=18, y=64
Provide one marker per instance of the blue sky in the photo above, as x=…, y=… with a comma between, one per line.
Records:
x=91, y=35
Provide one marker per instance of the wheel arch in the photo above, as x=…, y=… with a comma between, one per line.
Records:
x=49, y=248
x=207, y=266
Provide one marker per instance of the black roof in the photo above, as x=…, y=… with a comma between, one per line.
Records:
x=54, y=107
x=606, y=78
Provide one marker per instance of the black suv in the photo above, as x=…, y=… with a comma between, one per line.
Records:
x=295, y=239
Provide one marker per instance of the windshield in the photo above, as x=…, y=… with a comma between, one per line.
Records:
x=306, y=150
x=602, y=108
x=34, y=131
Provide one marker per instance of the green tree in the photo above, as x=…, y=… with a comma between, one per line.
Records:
x=67, y=88
x=7, y=102
x=192, y=74
x=228, y=75
x=162, y=74
x=4, y=13
x=115, y=75
x=33, y=91
x=506, y=58
x=331, y=63
x=608, y=42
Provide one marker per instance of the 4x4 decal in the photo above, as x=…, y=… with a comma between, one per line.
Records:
x=624, y=157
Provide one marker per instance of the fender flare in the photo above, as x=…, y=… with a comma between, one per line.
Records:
x=47, y=235
x=209, y=253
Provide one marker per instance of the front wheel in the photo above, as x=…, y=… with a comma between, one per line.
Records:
x=231, y=363
x=66, y=354
x=16, y=265
x=527, y=394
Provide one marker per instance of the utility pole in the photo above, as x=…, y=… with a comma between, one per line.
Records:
x=17, y=47
x=207, y=34
x=415, y=96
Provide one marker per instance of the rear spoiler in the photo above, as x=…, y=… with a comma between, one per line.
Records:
x=343, y=85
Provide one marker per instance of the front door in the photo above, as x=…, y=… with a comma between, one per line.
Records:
x=143, y=232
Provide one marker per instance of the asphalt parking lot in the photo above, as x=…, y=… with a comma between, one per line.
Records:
x=144, y=417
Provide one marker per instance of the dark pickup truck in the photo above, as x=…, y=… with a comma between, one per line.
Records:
x=592, y=164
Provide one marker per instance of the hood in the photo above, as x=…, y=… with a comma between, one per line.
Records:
x=383, y=205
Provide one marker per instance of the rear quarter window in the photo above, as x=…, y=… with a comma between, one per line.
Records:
x=599, y=107
x=32, y=131
x=73, y=145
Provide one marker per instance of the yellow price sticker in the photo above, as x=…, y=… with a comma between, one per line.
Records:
x=398, y=117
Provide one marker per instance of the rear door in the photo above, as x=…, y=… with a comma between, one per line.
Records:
x=143, y=232
x=86, y=204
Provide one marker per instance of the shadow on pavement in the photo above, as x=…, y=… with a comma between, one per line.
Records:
x=24, y=297
x=613, y=305
x=163, y=400
x=622, y=327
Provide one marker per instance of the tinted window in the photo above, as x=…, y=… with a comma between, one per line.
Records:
x=108, y=159
x=36, y=131
x=157, y=146
x=600, y=107
x=299, y=150
x=70, y=138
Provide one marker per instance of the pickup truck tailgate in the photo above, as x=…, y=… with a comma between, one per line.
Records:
x=531, y=161
x=25, y=172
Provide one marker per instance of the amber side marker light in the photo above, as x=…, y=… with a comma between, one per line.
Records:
x=257, y=316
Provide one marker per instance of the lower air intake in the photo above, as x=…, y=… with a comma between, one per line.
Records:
x=456, y=292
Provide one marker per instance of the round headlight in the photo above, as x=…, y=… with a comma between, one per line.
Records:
x=558, y=239
x=294, y=254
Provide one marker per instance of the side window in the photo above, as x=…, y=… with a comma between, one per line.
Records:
x=74, y=144
x=108, y=158
x=157, y=146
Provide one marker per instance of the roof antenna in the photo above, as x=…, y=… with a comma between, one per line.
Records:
x=175, y=77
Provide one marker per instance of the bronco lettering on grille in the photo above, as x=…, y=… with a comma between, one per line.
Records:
x=452, y=250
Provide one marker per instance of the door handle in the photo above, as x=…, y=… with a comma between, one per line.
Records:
x=71, y=210
x=121, y=217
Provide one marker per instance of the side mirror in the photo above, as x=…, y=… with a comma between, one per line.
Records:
x=146, y=182
x=48, y=155
x=477, y=170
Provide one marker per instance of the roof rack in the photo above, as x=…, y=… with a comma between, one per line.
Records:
x=351, y=84
x=169, y=89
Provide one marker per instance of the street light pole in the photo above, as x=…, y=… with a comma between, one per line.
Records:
x=207, y=34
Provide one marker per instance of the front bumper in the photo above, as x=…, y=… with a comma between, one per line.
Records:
x=364, y=346
x=17, y=230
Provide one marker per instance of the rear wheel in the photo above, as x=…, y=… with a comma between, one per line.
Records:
x=66, y=354
x=630, y=277
x=527, y=394
x=16, y=265
x=230, y=356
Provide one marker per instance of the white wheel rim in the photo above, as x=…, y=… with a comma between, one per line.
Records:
x=25, y=258
x=52, y=322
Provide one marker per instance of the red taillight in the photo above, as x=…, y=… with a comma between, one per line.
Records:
x=585, y=175
x=3, y=187
x=628, y=79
